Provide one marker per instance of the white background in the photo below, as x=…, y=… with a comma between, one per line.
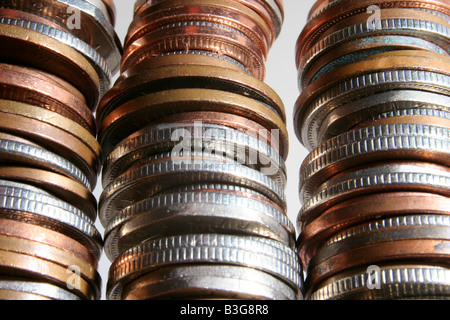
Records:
x=281, y=76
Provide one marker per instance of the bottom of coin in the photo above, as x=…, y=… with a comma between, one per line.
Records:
x=386, y=282
x=208, y=282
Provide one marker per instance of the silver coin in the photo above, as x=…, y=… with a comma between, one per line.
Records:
x=77, y=226
x=259, y=253
x=195, y=212
x=354, y=113
x=213, y=139
x=389, y=176
x=46, y=290
x=429, y=31
x=390, y=223
x=427, y=111
x=395, y=282
x=29, y=194
x=102, y=7
x=390, y=230
x=309, y=117
x=16, y=151
x=150, y=179
x=420, y=142
x=96, y=30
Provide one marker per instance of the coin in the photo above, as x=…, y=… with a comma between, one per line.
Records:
x=404, y=281
x=123, y=190
x=190, y=64
x=226, y=13
x=208, y=282
x=47, y=236
x=134, y=115
x=285, y=267
x=365, y=208
x=236, y=145
x=54, y=57
x=97, y=31
x=359, y=112
x=65, y=188
x=14, y=151
x=187, y=212
x=402, y=141
x=189, y=76
x=24, y=289
x=384, y=177
x=20, y=264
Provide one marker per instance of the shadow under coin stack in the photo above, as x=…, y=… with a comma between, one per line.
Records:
x=56, y=62
x=375, y=114
x=194, y=146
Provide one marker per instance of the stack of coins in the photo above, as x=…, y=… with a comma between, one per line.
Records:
x=56, y=62
x=374, y=112
x=194, y=146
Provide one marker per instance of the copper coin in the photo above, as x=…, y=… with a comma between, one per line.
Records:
x=53, y=118
x=182, y=58
x=226, y=13
x=54, y=139
x=189, y=76
x=17, y=264
x=34, y=49
x=91, y=241
x=28, y=86
x=208, y=38
x=256, y=6
x=434, y=251
x=111, y=9
x=12, y=137
x=6, y=294
x=54, y=255
x=47, y=236
x=365, y=208
x=134, y=115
